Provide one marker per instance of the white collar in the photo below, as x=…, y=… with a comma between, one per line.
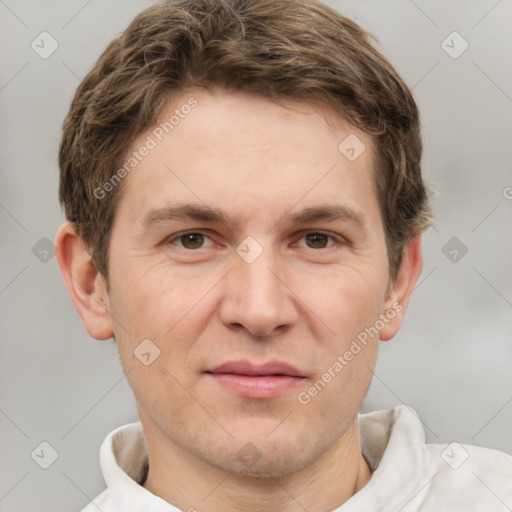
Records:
x=392, y=441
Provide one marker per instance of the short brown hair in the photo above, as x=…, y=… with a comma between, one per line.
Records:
x=298, y=49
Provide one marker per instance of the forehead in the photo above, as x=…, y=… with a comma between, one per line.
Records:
x=245, y=154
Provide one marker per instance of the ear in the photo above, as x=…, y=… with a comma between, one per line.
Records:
x=400, y=292
x=86, y=286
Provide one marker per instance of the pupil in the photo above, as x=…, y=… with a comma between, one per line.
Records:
x=317, y=240
x=192, y=240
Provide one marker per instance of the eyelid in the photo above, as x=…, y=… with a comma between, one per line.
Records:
x=338, y=239
x=177, y=236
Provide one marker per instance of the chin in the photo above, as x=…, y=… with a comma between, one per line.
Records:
x=268, y=466
x=271, y=472
x=267, y=460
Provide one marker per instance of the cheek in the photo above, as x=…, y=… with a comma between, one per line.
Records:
x=147, y=297
x=349, y=355
x=347, y=301
x=159, y=304
x=155, y=369
x=356, y=302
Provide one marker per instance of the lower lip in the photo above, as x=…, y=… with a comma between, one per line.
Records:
x=252, y=386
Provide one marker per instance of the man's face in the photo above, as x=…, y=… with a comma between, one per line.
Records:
x=273, y=279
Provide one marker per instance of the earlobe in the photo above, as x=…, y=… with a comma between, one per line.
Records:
x=400, y=293
x=85, y=284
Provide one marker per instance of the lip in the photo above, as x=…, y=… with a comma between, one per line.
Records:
x=252, y=380
x=244, y=367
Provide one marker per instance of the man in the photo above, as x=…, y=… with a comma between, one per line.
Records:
x=244, y=205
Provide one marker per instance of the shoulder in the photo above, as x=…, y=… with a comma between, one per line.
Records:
x=480, y=478
x=413, y=475
x=455, y=458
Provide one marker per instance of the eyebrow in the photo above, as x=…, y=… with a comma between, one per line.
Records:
x=203, y=213
x=184, y=211
x=328, y=212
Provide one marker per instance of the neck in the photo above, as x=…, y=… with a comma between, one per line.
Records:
x=187, y=482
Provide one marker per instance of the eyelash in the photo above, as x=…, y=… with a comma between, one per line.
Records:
x=336, y=240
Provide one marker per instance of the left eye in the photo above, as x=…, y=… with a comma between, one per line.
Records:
x=318, y=240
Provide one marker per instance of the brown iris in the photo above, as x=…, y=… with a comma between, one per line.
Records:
x=192, y=240
x=317, y=240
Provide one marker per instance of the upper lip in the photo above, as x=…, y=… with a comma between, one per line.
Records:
x=243, y=367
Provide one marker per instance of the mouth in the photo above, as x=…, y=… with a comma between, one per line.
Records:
x=249, y=380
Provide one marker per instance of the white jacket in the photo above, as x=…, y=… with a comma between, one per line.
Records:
x=407, y=474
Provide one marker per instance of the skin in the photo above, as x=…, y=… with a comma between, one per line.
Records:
x=302, y=301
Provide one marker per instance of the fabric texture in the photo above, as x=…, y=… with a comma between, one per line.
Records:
x=408, y=475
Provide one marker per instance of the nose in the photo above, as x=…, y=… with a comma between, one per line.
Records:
x=257, y=298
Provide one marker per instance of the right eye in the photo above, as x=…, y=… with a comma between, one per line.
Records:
x=190, y=240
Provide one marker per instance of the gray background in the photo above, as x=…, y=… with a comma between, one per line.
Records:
x=451, y=361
